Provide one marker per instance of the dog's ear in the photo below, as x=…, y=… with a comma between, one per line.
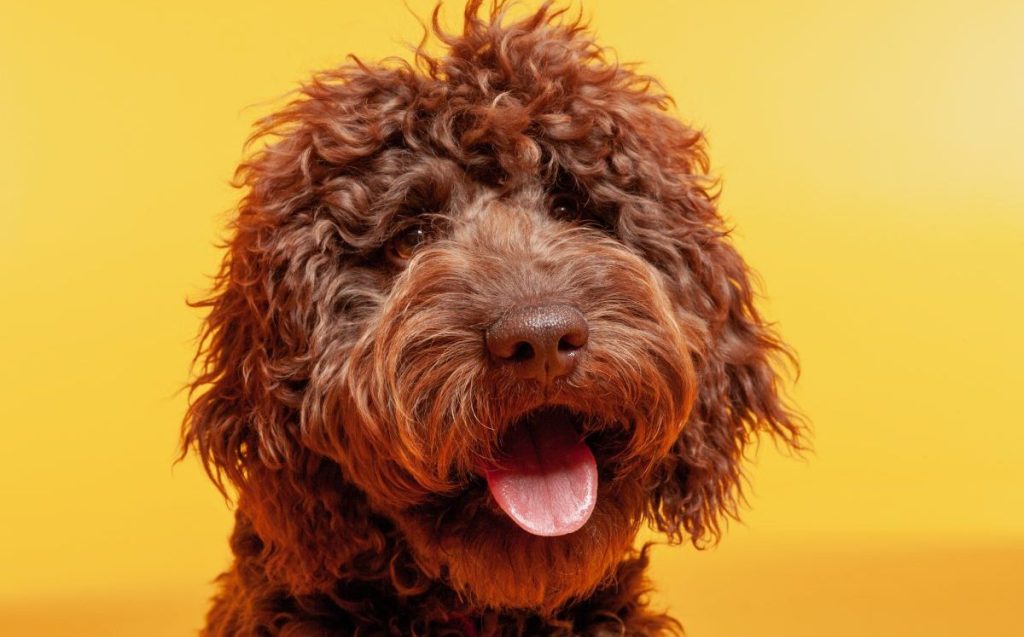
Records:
x=296, y=226
x=737, y=355
x=739, y=395
x=243, y=422
x=280, y=302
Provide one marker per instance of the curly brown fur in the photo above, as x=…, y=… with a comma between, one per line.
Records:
x=347, y=394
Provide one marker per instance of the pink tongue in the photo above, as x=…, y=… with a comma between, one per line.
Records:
x=547, y=481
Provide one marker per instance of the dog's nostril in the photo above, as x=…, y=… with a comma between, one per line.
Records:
x=572, y=342
x=522, y=352
x=540, y=342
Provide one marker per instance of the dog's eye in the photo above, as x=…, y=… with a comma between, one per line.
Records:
x=579, y=209
x=565, y=207
x=402, y=247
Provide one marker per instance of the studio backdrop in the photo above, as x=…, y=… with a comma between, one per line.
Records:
x=870, y=157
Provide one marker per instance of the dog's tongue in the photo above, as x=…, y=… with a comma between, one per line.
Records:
x=547, y=481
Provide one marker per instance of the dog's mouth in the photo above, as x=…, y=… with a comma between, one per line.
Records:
x=545, y=477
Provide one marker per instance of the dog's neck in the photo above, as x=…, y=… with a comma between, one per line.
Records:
x=430, y=606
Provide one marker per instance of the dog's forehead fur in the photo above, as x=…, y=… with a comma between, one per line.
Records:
x=509, y=106
x=349, y=396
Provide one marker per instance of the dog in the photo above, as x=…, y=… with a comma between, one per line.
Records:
x=478, y=321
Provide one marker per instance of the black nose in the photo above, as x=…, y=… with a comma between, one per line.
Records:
x=541, y=342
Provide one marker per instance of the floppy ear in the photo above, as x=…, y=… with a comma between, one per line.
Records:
x=278, y=307
x=739, y=397
x=737, y=356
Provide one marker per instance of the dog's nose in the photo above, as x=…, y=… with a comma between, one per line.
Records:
x=541, y=342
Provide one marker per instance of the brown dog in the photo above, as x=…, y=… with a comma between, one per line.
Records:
x=478, y=322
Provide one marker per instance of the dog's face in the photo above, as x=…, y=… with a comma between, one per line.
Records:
x=481, y=314
x=513, y=391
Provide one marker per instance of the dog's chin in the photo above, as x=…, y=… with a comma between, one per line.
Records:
x=474, y=546
x=494, y=563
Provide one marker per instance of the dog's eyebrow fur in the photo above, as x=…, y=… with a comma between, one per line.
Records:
x=350, y=405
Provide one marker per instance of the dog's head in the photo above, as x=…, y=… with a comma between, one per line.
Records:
x=480, y=311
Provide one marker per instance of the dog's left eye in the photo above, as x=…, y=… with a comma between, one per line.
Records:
x=565, y=207
x=405, y=244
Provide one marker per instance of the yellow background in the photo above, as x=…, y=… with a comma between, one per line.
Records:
x=873, y=163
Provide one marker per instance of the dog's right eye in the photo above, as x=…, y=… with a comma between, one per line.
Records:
x=565, y=207
x=405, y=244
x=578, y=209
